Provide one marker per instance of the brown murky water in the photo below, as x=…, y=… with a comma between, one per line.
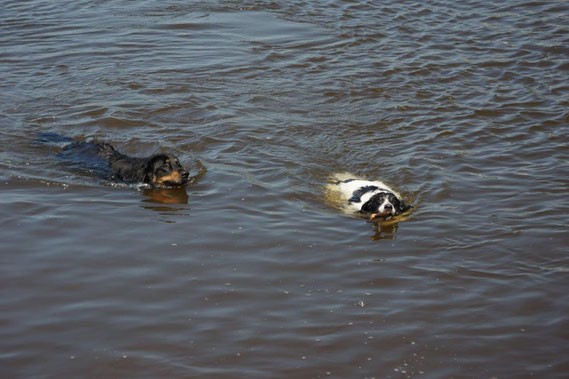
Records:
x=252, y=271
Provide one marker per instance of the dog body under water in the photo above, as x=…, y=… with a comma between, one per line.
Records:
x=160, y=170
x=374, y=199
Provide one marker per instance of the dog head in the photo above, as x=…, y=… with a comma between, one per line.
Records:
x=384, y=205
x=165, y=170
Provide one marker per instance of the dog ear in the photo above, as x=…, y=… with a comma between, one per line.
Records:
x=402, y=207
x=149, y=169
x=372, y=204
x=399, y=205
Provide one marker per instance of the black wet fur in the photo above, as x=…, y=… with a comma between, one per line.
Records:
x=142, y=170
x=158, y=170
x=357, y=195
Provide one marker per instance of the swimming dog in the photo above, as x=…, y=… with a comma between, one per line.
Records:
x=371, y=198
x=158, y=170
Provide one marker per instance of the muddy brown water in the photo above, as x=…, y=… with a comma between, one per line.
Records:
x=252, y=271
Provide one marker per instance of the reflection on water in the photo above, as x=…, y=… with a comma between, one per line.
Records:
x=175, y=195
x=384, y=230
x=166, y=200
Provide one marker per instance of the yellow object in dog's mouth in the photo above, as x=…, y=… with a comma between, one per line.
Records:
x=373, y=216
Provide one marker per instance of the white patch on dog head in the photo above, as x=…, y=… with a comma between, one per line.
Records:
x=386, y=207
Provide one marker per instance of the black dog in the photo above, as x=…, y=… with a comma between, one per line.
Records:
x=157, y=170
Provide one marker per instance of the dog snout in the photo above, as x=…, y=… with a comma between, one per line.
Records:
x=388, y=207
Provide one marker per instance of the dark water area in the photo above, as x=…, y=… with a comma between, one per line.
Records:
x=252, y=270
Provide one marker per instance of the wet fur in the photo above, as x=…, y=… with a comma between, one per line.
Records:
x=371, y=198
x=157, y=170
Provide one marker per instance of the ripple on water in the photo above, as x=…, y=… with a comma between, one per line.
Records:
x=251, y=269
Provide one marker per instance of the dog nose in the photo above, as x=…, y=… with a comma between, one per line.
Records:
x=388, y=207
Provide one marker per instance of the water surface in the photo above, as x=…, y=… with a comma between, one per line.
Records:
x=251, y=271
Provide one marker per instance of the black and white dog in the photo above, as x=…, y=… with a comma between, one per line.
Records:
x=373, y=198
